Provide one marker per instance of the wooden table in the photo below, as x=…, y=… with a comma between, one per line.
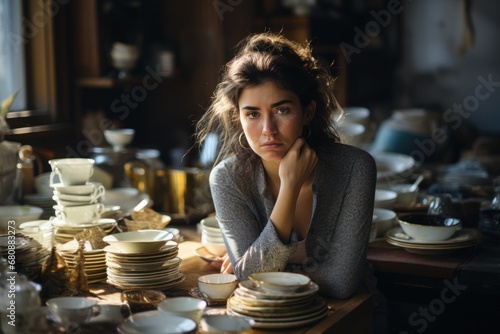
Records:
x=353, y=315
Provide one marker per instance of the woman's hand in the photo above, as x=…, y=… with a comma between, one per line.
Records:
x=297, y=164
x=226, y=267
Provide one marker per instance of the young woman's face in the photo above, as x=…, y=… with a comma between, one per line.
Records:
x=272, y=119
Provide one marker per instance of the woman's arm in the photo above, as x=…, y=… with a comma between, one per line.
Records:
x=339, y=260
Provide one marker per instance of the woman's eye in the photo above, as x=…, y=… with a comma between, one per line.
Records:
x=253, y=114
x=282, y=110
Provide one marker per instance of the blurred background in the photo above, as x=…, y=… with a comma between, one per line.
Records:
x=81, y=67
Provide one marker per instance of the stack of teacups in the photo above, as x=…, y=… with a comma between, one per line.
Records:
x=76, y=197
x=211, y=236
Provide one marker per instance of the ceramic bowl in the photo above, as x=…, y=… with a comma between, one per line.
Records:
x=223, y=323
x=187, y=307
x=359, y=115
x=18, y=214
x=385, y=199
x=73, y=309
x=142, y=300
x=119, y=138
x=430, y=228
x=406, y=196
x=155, y=322
x=385, y=220
x=141, y=241
x=392, y=166
x=281, y=282
x=352, y=133
x=217, y=286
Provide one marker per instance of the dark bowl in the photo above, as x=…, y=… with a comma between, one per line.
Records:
x=431, y=220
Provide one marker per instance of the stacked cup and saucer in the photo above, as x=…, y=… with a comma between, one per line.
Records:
x=78, y=200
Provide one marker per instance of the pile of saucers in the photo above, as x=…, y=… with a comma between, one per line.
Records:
x=153, y=270
x=277, y=308
x=95, y=260
x=30, y=255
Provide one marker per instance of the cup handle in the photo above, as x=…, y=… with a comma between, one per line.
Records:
x=61, y=215
x=53, y=174
x=100, y=208
x=91, y=172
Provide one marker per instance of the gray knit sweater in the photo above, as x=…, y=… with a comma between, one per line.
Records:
x=343, y=194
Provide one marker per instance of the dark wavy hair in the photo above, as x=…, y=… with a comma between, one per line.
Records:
x=260, y=58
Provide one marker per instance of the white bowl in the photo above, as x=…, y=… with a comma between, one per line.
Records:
x=217, y=286
x=392, y=166
x=280, y=281
x=359, y=115
x=352, y=133
x=217, y=249
x=141, y=241
x=384, y=219
x=119, y=138
x=188, y=307
x=210, y=224
x=155, y=322
x=385, y=199
x=406, y=196
x=223, y=323
x=18, y=214
x=429, y=228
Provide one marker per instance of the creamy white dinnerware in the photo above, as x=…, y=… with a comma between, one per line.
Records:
x=384, y=219
x=40, y=230
x=141, y=241
x=92, y=189
x=280, y=281
x=385, y=199
x=73, y=309
x=187, y=307
x=81, y=214
x=217, y=286
x=154, y=322
x=119, y=138
x=406, y=195
x=425, y=227
x=71, y=171
x=223, y=323
x=211, y=236
x=18, y=214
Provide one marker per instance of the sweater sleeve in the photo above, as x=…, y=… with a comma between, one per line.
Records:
x=338, y=262
x=249, y=235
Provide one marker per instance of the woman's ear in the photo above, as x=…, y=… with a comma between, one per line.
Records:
x=309, y=112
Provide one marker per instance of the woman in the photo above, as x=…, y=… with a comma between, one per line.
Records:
x=288, y=195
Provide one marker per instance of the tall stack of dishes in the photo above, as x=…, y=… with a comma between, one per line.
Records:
x=78, y=209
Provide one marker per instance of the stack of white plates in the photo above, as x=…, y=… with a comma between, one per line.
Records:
x=43, y=201
x=95, y=261
x=29, y=255
x=277, y=309
x=461, y=239
x=155, y=270
x=211, y=236
x=65, y=232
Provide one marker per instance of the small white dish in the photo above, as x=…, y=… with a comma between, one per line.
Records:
x=150, y=322
x=280, y=281
x=224, y=323
x=141, y=241
x=217, y=286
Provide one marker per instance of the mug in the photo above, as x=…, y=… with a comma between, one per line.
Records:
x=73, y=309
x=81, y=214
x=71, y=171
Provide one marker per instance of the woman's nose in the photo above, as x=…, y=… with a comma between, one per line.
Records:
x=269, y=126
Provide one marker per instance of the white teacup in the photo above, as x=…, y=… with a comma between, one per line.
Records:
x=81, y=214
x=73, y=309
x=187, y=307
x=83, y=192
x=71, y=171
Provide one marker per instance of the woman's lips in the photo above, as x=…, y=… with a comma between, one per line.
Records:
x=270, y=145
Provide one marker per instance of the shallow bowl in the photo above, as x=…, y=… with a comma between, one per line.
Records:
x=154, y=322
x=141, y=241
x=18, y=214
x=406, y=196
x=385, y=199
x=425, y=227
x=119, y=137
x=280, y=281
x=384, y=219
x=217, y=286
x=188, y=307
x=142, y=300
x=223, y=323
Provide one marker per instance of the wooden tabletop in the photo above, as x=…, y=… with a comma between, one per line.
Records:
x=353, y=315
